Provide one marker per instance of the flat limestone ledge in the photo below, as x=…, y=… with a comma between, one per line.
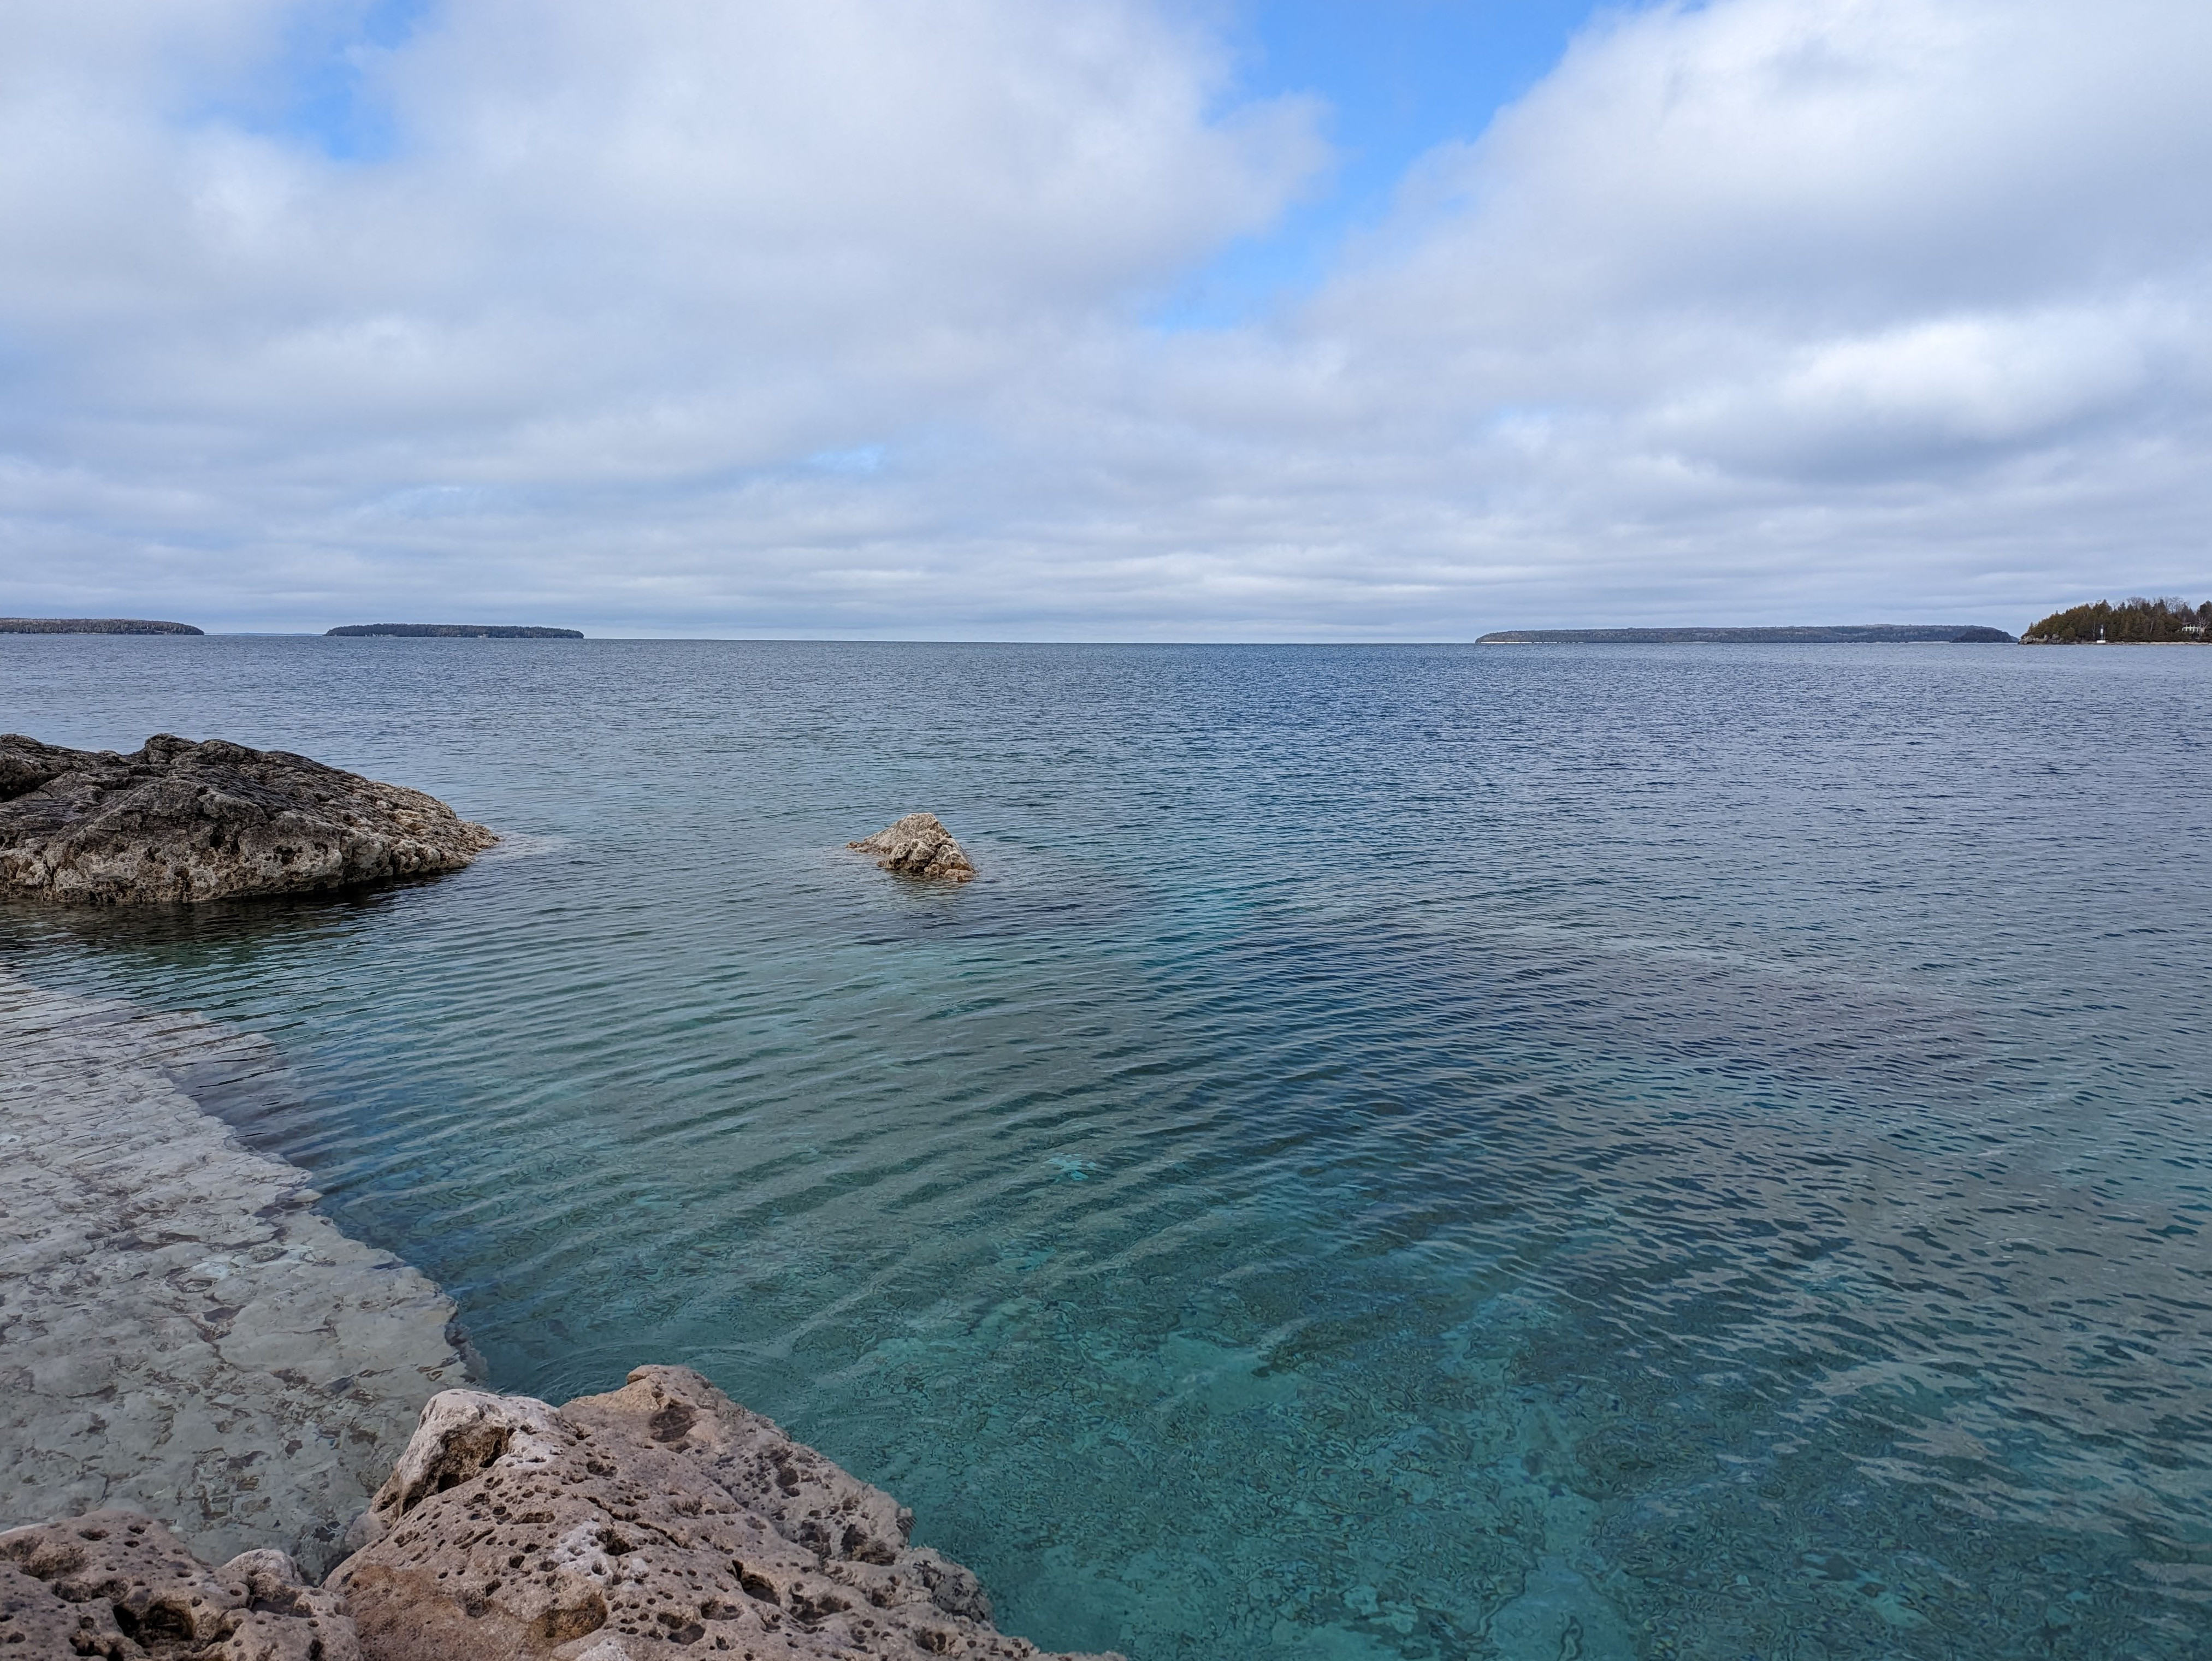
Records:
x=180, y=1333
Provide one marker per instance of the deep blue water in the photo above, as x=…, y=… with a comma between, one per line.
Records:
x=1405, y=1151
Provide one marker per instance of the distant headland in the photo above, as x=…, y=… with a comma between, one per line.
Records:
x=1841, y=633
x=2131, y=622
x=92, y=626
x=459, y=631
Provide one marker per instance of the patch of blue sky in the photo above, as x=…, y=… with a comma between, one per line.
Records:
x=316, y=92
x=440, y=501
x=1399, y=77
x=866, y=459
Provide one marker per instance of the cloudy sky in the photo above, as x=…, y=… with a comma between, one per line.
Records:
x=1103, y=318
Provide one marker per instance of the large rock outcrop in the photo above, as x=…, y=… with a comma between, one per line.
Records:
x=662, y=1514
x=919, y=846
x=661, y=1519
x=118, y=1585
x=182, y=821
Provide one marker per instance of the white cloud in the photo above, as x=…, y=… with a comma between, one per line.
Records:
x=827, y=315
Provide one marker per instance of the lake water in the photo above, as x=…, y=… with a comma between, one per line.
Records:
x=1404, y=1152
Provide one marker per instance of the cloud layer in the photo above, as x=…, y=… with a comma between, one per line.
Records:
x=830, y=316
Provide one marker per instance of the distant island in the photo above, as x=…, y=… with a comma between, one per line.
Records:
x=92, y=626
x=459, y=631
x=2132, y=623
x=1840, y=633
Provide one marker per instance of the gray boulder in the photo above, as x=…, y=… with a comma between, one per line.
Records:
x=919, y=846
x=183, y=822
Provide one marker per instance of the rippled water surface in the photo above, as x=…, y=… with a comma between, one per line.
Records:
x=1445, y=1152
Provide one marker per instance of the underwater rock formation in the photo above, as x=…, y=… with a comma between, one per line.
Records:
x=919, y=846
x=183, y=822
x=181, y=1330
x=182, y=1335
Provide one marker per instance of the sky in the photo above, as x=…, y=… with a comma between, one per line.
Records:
x=1102, y=319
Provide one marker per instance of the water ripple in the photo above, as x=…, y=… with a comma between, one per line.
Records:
x=1403, y=1153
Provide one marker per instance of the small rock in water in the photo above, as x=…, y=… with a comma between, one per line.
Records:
x=919, y=846
x=183, y=822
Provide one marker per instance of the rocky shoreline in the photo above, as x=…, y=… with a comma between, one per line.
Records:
x=176, y=821
x=197, y=1367
x=661, y=1516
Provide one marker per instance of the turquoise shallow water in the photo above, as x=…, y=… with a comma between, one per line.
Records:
x=1404, y=1153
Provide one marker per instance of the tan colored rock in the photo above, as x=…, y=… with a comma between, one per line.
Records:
x=180, y=1330
x=919, y=846
x=118, y=1584
x=182, y=821
x=660, y=1514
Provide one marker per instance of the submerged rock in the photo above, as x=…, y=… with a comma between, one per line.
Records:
x=180, y=1333
x=181, y=1330
x=178, y=821
x=919, y=846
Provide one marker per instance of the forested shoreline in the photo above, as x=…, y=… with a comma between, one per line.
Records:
x=2132, y=623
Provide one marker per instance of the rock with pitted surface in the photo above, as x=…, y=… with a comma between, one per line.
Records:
x=181, y=1330
x=118, y=1584
x=182, y=821
x=660, y=1514
x=919, y=846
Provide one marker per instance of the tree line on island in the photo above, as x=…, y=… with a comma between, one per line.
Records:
x=422, y=631
x=2133, y=622
x=2136, y=621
